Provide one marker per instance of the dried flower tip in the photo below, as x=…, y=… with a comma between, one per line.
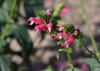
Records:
x=49, y=12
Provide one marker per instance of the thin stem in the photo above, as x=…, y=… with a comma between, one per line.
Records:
x=11, y=11
x=57, y=9
x=8, y=18
x=98, y=2
x=92, y=54
x=85, y=18
x=70, y=60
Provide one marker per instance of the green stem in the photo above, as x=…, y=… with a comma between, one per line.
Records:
x=91, y=53
x=57, y=9
x=70, y=60
x=9, y=18
x=87, y=23
x=98, y=2
x=5, y=28
x=11, y=11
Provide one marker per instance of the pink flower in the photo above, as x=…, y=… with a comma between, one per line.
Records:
x=39, y=21
x=40, y=27
x=60, y=27
x=64, y=9
x=49, y=12
x=49, y=26
x=61, y=35
x=69, y=41
x=63, y=44
x=36, y=20
x=75, y=32
x=76, y=27
x=31, y=19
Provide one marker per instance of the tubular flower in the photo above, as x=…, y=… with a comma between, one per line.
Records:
x=75, y=32
x=31, y=19
x=69, y=41
x=63, y=44
x=61, y=35
x=40, y=27
x=49, y=26
x=36, y=20
x=39, y=21
x=60, y=27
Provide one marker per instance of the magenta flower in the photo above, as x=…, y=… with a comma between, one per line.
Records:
x=75, y=32
x=36, y=20
x=63, y=44
x=39, y=21
x=69, y=41
x=62, y=35
x=60, y=27
x=40, y=27
x=49, y=26
x=31, y=19
x=64, y=9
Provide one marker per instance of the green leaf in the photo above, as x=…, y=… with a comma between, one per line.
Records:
x=5, y=63
x=6, y=32
x=94, y=65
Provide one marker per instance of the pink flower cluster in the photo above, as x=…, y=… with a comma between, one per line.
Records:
x=43, y=25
